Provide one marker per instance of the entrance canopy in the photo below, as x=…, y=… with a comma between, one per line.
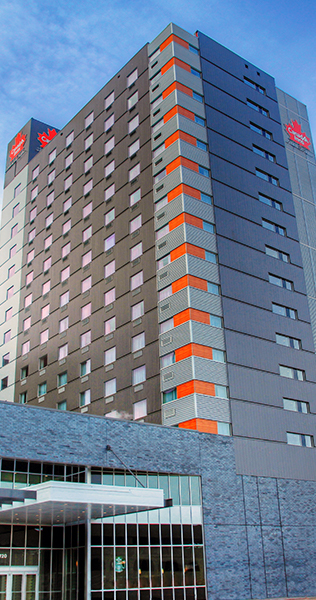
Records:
x=56, y=502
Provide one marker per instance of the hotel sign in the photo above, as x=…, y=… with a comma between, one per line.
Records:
x=44, y=137
x=18, y=146
x=295, y=133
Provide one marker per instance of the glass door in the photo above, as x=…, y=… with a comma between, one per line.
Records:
x=18, y=585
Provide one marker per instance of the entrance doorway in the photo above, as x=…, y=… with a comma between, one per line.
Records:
x=18, y=583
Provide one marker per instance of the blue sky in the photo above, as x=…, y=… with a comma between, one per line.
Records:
x=56, y=54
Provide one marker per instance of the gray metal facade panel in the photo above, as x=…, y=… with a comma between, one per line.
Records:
x=205, y=301
x=196, y=406
x=206, y=334
x=195, y=367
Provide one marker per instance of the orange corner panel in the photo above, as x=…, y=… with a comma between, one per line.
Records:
x=195, y=251
x=174, y=165
x=173, y=138
x=185, y=389
x=198, y=283
x=189, y=164
x=173, y=38
x=176, y=221
x=177, y=252
x=178, y=109
x=175, y=192
x=177, y=62
x=186, y=113
x=187, y=138
x=202, y=351
x=191, y=424
x=203, y=425
x=190, y=191
x=171, y=113
x=205, y=388
x=177, y=86
x=181, y=317
x=180, y=284
x=184, y=352
x=199, y=316
x=195, y=221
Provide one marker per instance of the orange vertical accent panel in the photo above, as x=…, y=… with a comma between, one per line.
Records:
x=186, y=113
x=173, y=38
x=167, y=66
x=195, y=221
x=202, y=351
x=199, y=316
x=206, y=426
x=185, y=389
x=198, y=283
x=195, y=251
x=205, y=388
x=181, y=317
x=177, y=86
x=173, y=138
x=180, y=42
x=192, y=424
x=169, y=90
x=184, y=352
x=183, y=65
x=179, y=284
x=176, y=221
x=177, y=252
x=189, y=164
x=190, y=191
x=187, y=138
x=171, y=113
x=174, y=165
x=175, y=192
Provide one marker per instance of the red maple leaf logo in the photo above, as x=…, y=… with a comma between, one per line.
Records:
x=17, y=146
x=294, y=130
x=44, y=137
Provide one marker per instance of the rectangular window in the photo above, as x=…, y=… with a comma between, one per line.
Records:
x=291, y=373
x=17, y=190
x=45, y=312
x=109, y=242
x=134, y=172
x=49, y=220
x=109, y=145
x=109, y=192
x=88, y=142
x=51, y=177
x=62, y=405
x=63, y=324
x=52, y=156
x=132, y=78
x=89, y=120
x=132, y=100
x=27, y=323
x=48, y=242
x=264, y=153
x=86, y=284
x=137, y=280
x=109, y=297
x=199, y=120
x=11, y=271
x=87, y=187
x=30, y=256
x=13, y=251
x=86, y=311
x=280, y=282
x=66, y=227
x=32, y=235
x=290, y=342
x=267, y=177
x=67, y=204
x=109, y=269
x=138, y=342
x=86, y=234
x=65, y=250
x=34, y=193
x=139, y=375
x=85, y=398
x=135, y=197
x=109, y=168
x=284, y=311
x=295, y=405
x=110, y=356
x=42, y=389
x=50, y=199
x=44, y=335
x=254, y=85
x=65, y=274
x=133, y=124
x=261, y=131
x=26, y=346
x=29, y=278
x=70, y=138
x=85, y=368
x=62, y=352
x=47, y=264
x=258, y=108
x=68, y=183
x=133, y=148
x=85, y=339
x=135, y=224
x=109, y=100
x=6, y=359
x=86, y=259
x=69, y=160
x=8, y=314
x=300, y=439
x=46, y=287
x=136, y=251
x=109, y=217
x=27, y=300
x=14, y=230
x=15, y=210
x=270, y=202
x=137, y=310
x=64, y=299
x=273, y=227
x=109, y=326
x=23, y=398
x=4, y=383
x=110, y=387
x=139, y=409
x=88, y=164
x=108, y=123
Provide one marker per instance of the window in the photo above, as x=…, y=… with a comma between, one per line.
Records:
x=280, y=282
x=109, y=297
x=132, y=100
x=267, y=177
x=85, y=339
x=109, y=168
x=25, y=348
x=110, y=387
x=261, y=131
x=67, y=204
x=157, y=125
x=166, y=326
x=43, y=362
x=44, y=335
x=62, y=352
x=46, y=287
x=66, y=227
x=216, y=321
x=139, y=409
x=14, y=230
x=109, y=217
x=295, y=405
x=62, y=379
x=30, y=256
x=264, y=153
x=17, y=191
x=52, y=156
x=161, y=203
x=85, y=398
x=212, y=288
x=109, y=326
x=47, y=264
x=87, y=258
x=85, y=368
x=160, y=176
x=135, y=197
x=110, y=356
x=33, y=213
x=34, y=193
x=63, y=324
x=135, y=224
x=62, y=405
x=199, y=120
x=273, y=227
x=284, y=311
x=51, y=177
x=28, y=300
x=88, y=164
x=139, y=375
x=49, y=220
x=6, y=359
x=162, y=262
x=27, y=324
x=67, y=183
x=65, y=250
x=137, y=310
x=45, y=312
x=23, y=398
x=109, y=145
x=291, y=373
x=133, y=148
x=201, y=145
x=13, y=251
x=70, y=138
x=24, y=372
x=4, y=383
x=86, y=234
x=11, y=271
x=109, y=192
x=109, y=269
x=165, y=293
x=169, y=395
x=86, y=284
x=42, y=389
x=137, y=280
x=109, y=100
x=29, y=278
x=210, y=257
x=32, y=235
x=109, y=122
x=218, y=355
x=138, y=342
x=109, y=242
x=133, y=124
x=8, y=314
x=300, y=439
x=285, y=340
x=134, y=172
x=86, y=311
x=69, y=160
x=136, y=251
x=65, y=274
x=89, y=120
x=48, y=242
x=258, y=108
x=87, y=187
x=50, y=199
x=64, y=299
x=254, y=85
x=167, y=360
x=270, y=202
x=132, y=78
